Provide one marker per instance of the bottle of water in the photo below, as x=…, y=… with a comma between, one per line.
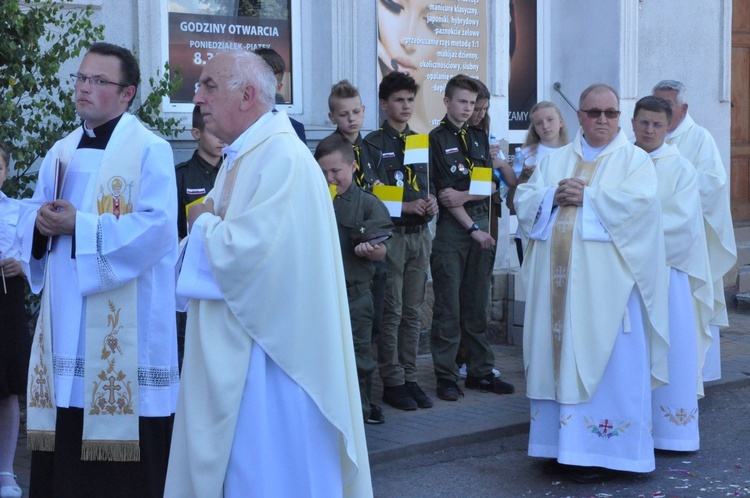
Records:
x=494, y=141
x=502, y=187
x=518, y=162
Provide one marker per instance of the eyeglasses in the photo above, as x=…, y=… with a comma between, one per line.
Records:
x=658, y=125
x=595, y=113
x=95, y=80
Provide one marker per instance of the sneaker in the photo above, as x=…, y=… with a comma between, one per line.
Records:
x=399, y=397
x=448, y=390
x=376, y=415
x=489, y=384
x=423, y=401
x=462, y=371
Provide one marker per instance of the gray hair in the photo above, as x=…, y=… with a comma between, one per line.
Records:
x=672, y=85
x=251, y=69
x=598, y=87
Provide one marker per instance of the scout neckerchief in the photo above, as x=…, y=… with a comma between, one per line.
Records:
x=462, y=134
x=359, y=174
x=562, y=241
x=110, y=425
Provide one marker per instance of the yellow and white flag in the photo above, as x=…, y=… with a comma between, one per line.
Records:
x=391, y=196
x=481, y=181
x=332, y=190
x=417, y=149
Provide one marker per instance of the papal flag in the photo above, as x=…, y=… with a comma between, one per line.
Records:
x=481, y=181
x=391, y=196
x=417, y=149
x=191, y=204
x=332, y=190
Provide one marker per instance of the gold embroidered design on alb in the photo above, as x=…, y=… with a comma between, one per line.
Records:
x=112, y=394
x=680, y=417
x=40, y=381
x=115, y=202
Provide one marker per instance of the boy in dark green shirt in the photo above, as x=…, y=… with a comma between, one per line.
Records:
x=364, y=225
x=409, y=249
x=463, y=251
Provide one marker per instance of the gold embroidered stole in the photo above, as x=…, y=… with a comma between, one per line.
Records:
x=41, y=408
x=110, y=426
x=227, y=188
x=40, y=398
x=562, y=241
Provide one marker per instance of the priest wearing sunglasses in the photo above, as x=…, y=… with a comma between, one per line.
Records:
x=595, y=334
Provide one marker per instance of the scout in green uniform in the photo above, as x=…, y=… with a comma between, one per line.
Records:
x=463, y=250
x=409, y=249
x=347, y=113
x=364, y=226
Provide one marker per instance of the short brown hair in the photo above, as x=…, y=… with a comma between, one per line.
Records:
x=461, y=82
x=335, y=143
x=342, y=90
x=273, y=59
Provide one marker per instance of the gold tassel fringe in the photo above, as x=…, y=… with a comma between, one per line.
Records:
x=40, y=440
x=112, y=451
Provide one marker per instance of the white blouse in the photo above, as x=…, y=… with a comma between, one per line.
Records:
x=8, y=221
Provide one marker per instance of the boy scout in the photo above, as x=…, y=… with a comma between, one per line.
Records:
x=408, y=250
x=348, y=114
x=364, y=226
x=463, y=250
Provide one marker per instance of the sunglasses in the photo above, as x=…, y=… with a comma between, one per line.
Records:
x=595, y=113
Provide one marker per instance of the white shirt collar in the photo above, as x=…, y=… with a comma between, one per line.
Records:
x=233, y=149
x=590, y=153
x=656, y=152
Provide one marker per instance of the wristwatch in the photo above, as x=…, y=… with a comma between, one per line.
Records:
x=472, y=228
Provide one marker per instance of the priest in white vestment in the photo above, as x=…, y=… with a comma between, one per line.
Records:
x=675, y=406
x=269, y=401
x=698, y=146
x=99, y=240
x=595, y=332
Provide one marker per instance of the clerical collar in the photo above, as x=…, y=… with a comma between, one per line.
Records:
x=655, y=152
x=590, y=153
x=98, y=137
x=233, y=149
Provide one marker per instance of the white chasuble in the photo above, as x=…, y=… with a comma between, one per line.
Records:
x=603, y=272
x=613, y=428
x=275, y=257
x=675, y=406
x=698, y=146
x=685, y=242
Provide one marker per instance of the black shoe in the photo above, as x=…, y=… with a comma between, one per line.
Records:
x=592, y=475
x=376, y=415
x=399, y=397
x=448, y=390
x=489, y=384
x=423, y=401
x=554, y=468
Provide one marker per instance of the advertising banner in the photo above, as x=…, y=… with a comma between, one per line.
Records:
x=432, y=40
